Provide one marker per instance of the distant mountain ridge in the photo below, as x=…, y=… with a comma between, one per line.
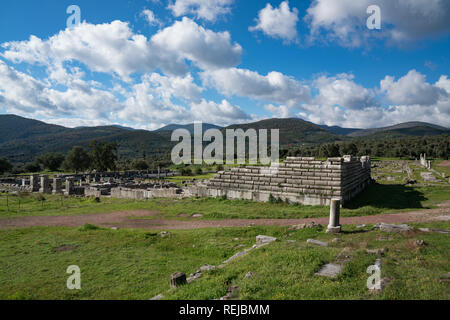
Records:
x=407, y=128
x=189, y=127
x=340, y=130
x=21, y=139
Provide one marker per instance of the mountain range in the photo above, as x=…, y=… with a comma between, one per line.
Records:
x=21, y=139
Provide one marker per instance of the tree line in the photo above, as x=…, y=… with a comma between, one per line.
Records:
x=411, y=148
x=100, y=156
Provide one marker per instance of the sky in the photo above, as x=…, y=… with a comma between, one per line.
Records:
x=149, y=63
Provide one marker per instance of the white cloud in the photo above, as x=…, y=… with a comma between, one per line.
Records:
x=344, y=21
x=278, y=22
x=412, y=89
x=113, y=48
x=223, y=113
x=180, y=87
x=342, y=102
x=343, y=91
x=151, y=18
x=203, y=9
x=22, y=94
x=206, y=48
x=109, y=48
x=274, y=87
x=151, y=103
x=281, y=111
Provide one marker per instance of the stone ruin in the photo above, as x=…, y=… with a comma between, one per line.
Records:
x=299, y=180
x=424, y=162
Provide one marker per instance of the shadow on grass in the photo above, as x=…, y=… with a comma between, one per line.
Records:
x=388, y=196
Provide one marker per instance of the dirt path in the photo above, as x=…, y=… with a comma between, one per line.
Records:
x=122, y=220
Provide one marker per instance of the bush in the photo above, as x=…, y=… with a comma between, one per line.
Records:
x=5, y=165
x=32, y=167
x=89, y=227
x=186, y=172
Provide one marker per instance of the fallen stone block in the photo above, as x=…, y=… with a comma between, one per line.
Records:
x=237, y=255
x=265, y=239
x=310, y=225
x=317, y=242
x=395, y=228
x=330, y=270
x=158, y=297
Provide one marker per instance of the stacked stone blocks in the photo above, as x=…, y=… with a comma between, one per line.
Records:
x=301, y=180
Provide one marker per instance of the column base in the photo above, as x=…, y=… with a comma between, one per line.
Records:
x=334, y=229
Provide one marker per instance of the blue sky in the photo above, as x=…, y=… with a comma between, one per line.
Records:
x=150, y=63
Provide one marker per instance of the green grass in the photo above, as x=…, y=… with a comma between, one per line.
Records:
x=179, y=179
x=441, y=168
x=376, y=199
x=285, y=270
x=121, y=264
x=136, y=264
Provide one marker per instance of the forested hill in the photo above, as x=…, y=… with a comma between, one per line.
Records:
x=21, y=139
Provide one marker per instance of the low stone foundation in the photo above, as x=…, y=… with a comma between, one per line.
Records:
x=298, y=180
x=140, y=194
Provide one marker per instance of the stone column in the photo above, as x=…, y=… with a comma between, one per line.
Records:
x=57, y=186
x=45, y=185
x=34, y=183
x=335, y=209
x=69, y=186
x=88, y=179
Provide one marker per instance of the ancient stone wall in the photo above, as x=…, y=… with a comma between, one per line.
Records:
x=301, y=180
x=140, y=194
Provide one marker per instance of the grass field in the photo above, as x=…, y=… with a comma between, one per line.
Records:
x=134, y=264
x=137, y=264
x=376, y=199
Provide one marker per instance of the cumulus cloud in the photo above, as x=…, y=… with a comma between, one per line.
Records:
x=340, y=101
x=413, y=89
x=403, y=21
x=223, y=113
x=22, y=94
x=114, y=48
x=151, y=102
x=109, y=48
x=206, y=48
x=281, y=111
x=278, y=22
x=343, y=91
x=203, y=9
x=151, y=18
x=274, y=87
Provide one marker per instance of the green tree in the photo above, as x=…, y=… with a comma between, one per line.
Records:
x=51, y=161
x=32, y=167
x=103, y=155
x=77, y=160
x=5, y=165
x=349, y=149
x=329, y=150
x=140, y=165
